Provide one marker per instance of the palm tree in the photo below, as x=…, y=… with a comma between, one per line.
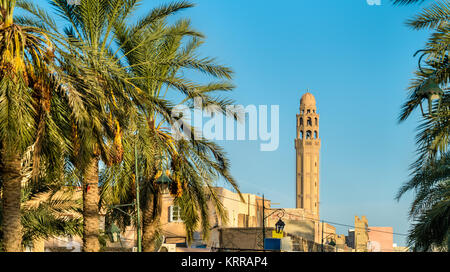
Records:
x=102, y=78
x=431, y=206
x=27, y=78
x=47, y=208
x=51, y=213
x=407, y=2
x=430, y=209
x=47, y=212
x=193, y=165
x=436, y=18
x=67, y=101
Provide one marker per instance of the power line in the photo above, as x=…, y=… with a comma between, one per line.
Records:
x=345, y=225
x=313, y=219
x=318, y=220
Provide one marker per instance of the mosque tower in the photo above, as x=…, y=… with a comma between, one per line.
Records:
x=307, y=146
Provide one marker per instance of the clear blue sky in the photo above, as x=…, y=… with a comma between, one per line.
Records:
x=357, y=60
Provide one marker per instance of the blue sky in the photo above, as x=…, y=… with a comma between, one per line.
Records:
x=357, y=60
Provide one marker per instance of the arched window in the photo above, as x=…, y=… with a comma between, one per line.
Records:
x=309, y=121
x=315, y=134
x=316, y=121
x=301, y=134
x=308, y=134
x=301, y=121
x=309, y=111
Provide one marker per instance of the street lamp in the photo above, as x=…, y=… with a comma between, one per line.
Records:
x=163, y=179
x=431, y=91
x=279, y=226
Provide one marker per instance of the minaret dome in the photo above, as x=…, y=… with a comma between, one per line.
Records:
x=307, y=102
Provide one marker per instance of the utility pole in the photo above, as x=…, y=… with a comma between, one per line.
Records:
x=263, y=223
x=322, y=235
x=248, y=211
x=138, y=218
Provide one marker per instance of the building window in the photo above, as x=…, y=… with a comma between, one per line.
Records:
x=308, y=134
x=315, y=134
x=316, y=121
x=301, y=121
x=174, y=214
x=309, y=121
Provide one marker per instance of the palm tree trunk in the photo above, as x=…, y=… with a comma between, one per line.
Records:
x=12, y=178
x=151, y=215
x=90, y=207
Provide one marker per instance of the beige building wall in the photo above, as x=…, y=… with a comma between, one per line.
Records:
x=361, y=238
x=232, y=203
x=64, y=244
x=297, y=222
x=401, y=248
x=381, y=239
x=341, y=246
x=240, y=214
x=328, y=234
x=170, y=228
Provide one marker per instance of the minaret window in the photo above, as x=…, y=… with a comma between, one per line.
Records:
x=316, y=121
x=301, y=121
x=301, y=134
x=309, y=121
x=315, y=134
x=308, y=134
x=309, y=111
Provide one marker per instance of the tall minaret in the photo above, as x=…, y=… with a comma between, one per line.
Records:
x=307, y=146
